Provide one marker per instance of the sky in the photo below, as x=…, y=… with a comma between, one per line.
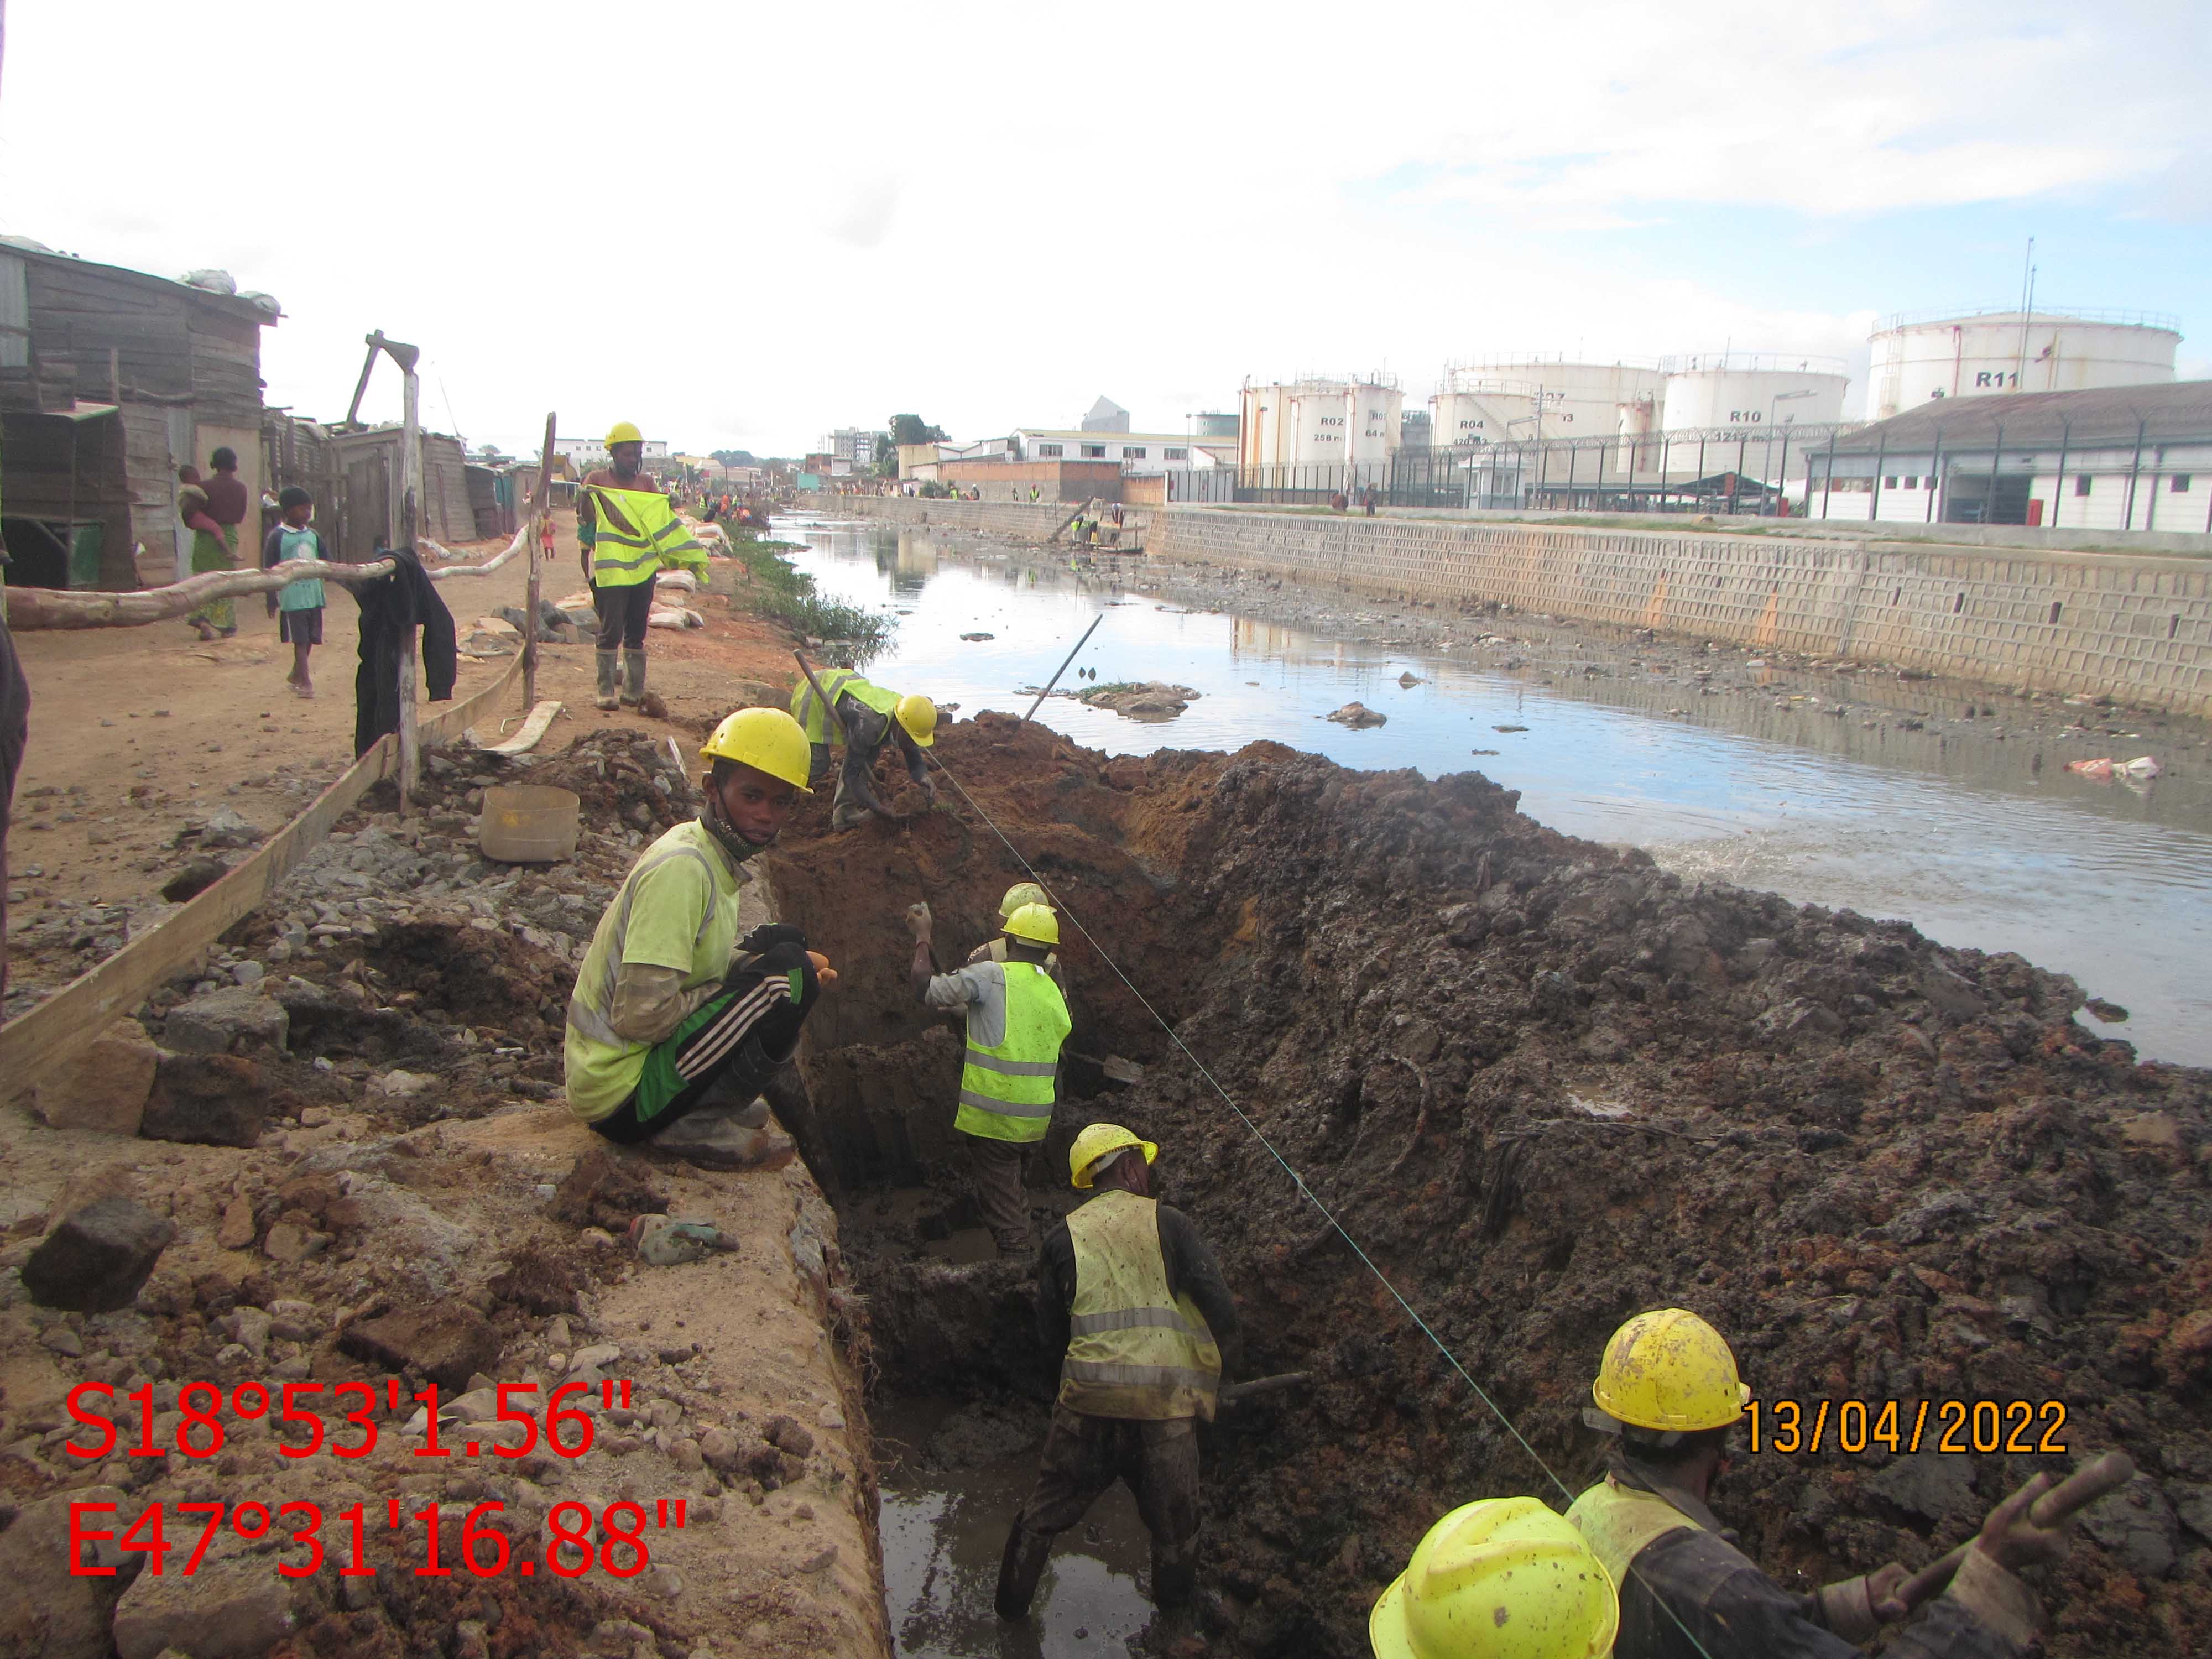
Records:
x=742, y=226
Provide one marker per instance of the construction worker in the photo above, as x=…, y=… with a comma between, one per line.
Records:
x=1134, y=1302
x=1667, y=1386
x=627, y=530
x=1016, y=1020
x=1502, y=1578
x=664, y=1009
x=866, y=716
x=995, y=948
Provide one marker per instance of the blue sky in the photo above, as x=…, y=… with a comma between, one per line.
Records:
x=991, y=215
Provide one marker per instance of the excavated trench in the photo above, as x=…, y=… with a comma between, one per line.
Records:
x=1545, y=1084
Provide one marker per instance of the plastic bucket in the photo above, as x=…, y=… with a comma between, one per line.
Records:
x=529, y=823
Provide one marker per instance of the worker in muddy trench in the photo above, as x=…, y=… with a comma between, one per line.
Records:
x=628, y=531
x=676, y=1024
x=1134, y=1302
x=1017, y=1021
x=994, y=948
x=1667, y=1388
x=866, y=716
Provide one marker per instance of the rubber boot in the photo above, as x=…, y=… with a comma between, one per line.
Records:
x=1175, y=1574
x=606, y=695
x=632, y=678
x=1018, y=1572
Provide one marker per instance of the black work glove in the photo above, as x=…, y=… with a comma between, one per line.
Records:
x=765, y=938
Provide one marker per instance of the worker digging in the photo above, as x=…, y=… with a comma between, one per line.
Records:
x=840, y=703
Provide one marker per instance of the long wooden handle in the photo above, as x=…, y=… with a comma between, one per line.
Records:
x=2079, y=1490
x=836, y=718
x=1231, y=1392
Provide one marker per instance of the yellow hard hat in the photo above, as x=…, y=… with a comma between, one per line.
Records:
x=1668, y=1370
x=1094, y=1143
x=623, y=432
x=768, y=740
x=1021, y=893
x=1507, y=1578
x=918, y=716
x=1036, y=922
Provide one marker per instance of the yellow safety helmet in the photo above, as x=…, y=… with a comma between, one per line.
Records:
x=1507, y=1578
x=918, y=716
x=1669, y=1371
x=1035, y=923
x=1021, y=893
x=768, y=740
x=624, y=432
x=1096, y=1141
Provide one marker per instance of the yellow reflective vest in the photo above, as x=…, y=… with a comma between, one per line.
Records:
x=1133, y=1350
x=634, y=532
x=1617, y=1521
x=806, y=708
x=1006, y=1092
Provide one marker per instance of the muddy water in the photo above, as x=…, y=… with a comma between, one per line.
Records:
x=943, y=1529
x=1978, y=842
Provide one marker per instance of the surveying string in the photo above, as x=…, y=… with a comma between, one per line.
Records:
x=1298, y=1180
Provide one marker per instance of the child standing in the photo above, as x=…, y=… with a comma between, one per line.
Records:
x=298, y=606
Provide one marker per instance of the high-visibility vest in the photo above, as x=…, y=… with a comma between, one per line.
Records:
x=591, y=1006
x=836, y=683
x=1006, y=1092
x=1133, y=1350
x=1617, y=1521
x=635, y=532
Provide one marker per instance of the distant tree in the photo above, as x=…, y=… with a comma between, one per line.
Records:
x=913, y=429
x=734, y=456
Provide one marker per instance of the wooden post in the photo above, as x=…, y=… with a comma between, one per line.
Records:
x=543, y=514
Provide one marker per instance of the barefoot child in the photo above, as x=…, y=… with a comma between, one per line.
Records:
x=298, y=606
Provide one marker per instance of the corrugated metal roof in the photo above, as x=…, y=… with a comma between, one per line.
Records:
x=2179, y=412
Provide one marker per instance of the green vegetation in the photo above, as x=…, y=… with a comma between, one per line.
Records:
x=788, y=596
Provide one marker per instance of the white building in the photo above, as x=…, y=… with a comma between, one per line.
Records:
x=1978, y=354
x=1106, y=415
x=1491, y=399
x=2120, y=457
x=1142, y=454
x=586, y=454
x=854, y=446
x=1321, y=420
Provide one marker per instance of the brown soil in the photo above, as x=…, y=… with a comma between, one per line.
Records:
x=1545, y=1086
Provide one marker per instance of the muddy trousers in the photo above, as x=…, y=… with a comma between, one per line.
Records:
x=994, y=1175
x=732, y=1043
x=1084, y=1455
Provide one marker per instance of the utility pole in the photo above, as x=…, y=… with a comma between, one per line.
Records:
x=2027, y=310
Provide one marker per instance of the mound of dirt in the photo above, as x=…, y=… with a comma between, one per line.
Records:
x=1546, y=1085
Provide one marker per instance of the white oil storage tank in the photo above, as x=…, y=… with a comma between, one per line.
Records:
x=1321, y=420
x=1980, y=354
x=1532, y=396
x=1752, y=389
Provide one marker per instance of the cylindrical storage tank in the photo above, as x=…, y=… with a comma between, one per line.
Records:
x=1460, y=419
x=1579, y=400
x=1981, y=354
x=1320, y=421
x=1753, y=388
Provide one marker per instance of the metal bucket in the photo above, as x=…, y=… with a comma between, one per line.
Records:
x=529, y=823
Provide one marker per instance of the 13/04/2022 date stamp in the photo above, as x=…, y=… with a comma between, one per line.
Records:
x=1946, y=1426
x=576, y=1537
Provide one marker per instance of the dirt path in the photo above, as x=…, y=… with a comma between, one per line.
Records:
x=138, y=733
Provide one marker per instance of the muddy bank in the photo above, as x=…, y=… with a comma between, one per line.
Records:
x=364, y=1172
x=1546, y=1085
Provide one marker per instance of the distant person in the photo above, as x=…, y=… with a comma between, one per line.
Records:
x=1371, y=500
x=1337, y=503
x=214, y=617
x=14, y=733
x=545, y=536
x=228, y=505
x=297, y=606
x=1033, y=492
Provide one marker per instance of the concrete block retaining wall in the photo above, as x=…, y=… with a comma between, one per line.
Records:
x=1021, y=521
x=2136, y=627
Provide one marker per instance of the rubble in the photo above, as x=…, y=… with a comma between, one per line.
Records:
x=104, y=1088
x=212, y=1099
x=1140, y=700
x=99, y=1256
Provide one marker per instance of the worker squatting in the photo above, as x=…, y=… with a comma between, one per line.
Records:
x=677, y=1024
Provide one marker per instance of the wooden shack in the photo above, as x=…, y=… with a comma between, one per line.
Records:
x=146, y=374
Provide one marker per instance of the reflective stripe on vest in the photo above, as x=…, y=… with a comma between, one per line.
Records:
x=591, y=1007
x=1006, y=1090
x=637, y=531
x=1617, y=1521
x=836, y=683
x=1133, y=1350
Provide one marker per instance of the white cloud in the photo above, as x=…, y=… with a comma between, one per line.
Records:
x=746, y=225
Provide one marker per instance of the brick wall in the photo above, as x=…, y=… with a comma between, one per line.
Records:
x=2137, y=627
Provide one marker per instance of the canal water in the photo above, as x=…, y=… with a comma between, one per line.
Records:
x=1966, y=838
